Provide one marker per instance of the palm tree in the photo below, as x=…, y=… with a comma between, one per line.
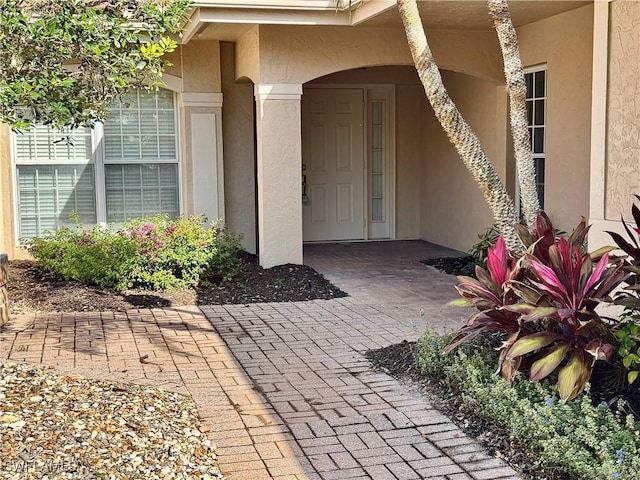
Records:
x=517, y=89
x=459, y=132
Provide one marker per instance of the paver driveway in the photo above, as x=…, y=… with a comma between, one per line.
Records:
x=284, y=387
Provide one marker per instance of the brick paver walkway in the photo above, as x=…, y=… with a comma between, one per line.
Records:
x=284, y=387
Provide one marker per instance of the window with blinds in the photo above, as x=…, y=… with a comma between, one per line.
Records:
x=55, y=176
x=132, y=161
x=140, y=156
x=536, y=117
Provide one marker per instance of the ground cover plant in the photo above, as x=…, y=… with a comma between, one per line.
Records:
x=33, y=289
x=538, y=319
x=576, y=439
x=153, y=254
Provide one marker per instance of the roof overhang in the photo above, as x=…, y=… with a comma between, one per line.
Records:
x=233, y=17
x=274, y=12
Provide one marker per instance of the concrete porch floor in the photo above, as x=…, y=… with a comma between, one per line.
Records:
x=284, y=387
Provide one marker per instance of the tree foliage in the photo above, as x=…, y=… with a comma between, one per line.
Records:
x=63, y=62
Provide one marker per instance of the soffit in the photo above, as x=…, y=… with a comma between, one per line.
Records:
x=474, y=14
x=228, y=23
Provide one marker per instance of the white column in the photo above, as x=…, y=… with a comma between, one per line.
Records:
x=279, y=152
x=203, y=175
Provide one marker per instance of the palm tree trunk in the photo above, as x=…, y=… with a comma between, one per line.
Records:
x=460, y=134
x=517, y=88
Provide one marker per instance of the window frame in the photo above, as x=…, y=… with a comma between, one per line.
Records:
x=98, y=160
x=542, y=67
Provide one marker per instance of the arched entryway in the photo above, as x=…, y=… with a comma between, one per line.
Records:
x=377, y=165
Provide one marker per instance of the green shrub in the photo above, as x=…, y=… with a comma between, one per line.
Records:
x=480, y=249
x=153, y=254
x=576, y=437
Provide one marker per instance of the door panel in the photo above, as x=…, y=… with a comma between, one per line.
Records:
x=333, y=153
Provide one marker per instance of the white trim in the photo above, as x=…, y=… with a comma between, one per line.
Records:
x=368, y=10
x=97, y=137
x=392, y=162
x=541, y=67
x=194, y=99
x=309, y=12
x=178, y=131
x=329, y=5
x=385, y=94
x=278, y=91
x=597, y=186
x=234, y=15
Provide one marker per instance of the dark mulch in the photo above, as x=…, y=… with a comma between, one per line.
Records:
x=32, y=289
x=452, y=265
x=399, y=362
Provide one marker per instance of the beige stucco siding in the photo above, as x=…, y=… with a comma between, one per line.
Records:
x=6, y=184
x=411, y=159
x=247, y=55
x=623, y=113
x=453, y=209
x=298, y=54
x=201, y=67
x=564, y=43
x=239, y=152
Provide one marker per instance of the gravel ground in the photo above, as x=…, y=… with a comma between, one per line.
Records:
x=68, y=427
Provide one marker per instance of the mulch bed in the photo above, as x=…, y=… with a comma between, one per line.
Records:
x=452, y=265
x=32, y=289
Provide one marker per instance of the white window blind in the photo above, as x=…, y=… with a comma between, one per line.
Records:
x=54, y=177
x=141, y=160
x=60, y=172
x=141, y=190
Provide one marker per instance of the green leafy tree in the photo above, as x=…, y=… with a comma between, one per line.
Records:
x=63, y=62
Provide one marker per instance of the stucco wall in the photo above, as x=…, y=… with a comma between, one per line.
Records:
x=6, y=184
x=623, y=113
x=564, y=43
x=411, y=159
x=201, y=67
x=239, y=151
x=298, y=54
x=247, y=55
x=453, y=209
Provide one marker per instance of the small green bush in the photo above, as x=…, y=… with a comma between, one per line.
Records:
x=153, y=254
x=576, y=437
x=480, y=249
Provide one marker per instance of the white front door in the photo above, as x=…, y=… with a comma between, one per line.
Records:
x=333, y=164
